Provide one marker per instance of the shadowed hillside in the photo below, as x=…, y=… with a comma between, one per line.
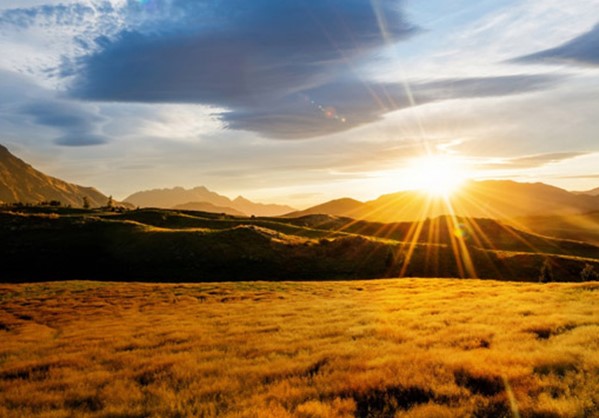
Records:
x=208, y=207
x=582, y=227
x=195, y=246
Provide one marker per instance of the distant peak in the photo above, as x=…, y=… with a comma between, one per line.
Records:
x=240, y=199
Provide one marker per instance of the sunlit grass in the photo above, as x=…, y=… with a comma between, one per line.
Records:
x=408, y=347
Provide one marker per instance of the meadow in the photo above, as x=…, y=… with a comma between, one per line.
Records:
x=378, y=348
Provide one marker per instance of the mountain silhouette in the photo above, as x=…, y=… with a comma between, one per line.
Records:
x=21, y=183
x=174, y=197
x=496, y=199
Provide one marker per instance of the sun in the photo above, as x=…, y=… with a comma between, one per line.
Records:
x=438, y=174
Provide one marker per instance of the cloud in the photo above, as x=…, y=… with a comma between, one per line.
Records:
x=46, y=15
x=249, y=54
x=582, y=50
x=77, y=123
x=282, y=69
x=60, y=115
x=581, y=176
x=22, y=103
x=341, y=105
x=80, y=139
x=543, y=159
x=531, y=161
x=253, y=59
x=287, y=81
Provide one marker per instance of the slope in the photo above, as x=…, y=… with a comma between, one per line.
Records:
x=478, y=199
x=20, y=182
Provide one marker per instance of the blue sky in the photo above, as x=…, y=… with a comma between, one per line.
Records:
x=299, y=101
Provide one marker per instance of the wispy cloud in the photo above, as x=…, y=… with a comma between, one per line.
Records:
x=528, y=161
x=582, y=50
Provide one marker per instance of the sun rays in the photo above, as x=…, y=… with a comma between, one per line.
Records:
x=451, y=225
x=438, y=175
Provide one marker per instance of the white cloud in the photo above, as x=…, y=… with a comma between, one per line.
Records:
x=171, y=122
x=480, y=47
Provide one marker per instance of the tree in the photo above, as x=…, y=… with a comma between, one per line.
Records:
x=546, y=274
x=85, y=202
x=110, y=203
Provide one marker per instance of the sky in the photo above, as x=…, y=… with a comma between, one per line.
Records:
x=300, y=101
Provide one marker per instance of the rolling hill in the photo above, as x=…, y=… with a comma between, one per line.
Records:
x=480, y=199
x=348, y=207
x=592, y=192
x=164, y=245
x=21, y=183
x=580, y=227
x=208, y=207
x=174, y=197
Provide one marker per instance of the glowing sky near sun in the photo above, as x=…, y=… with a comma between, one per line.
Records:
x=301, y=102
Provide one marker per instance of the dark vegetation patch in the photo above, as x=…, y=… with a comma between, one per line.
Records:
x=493, y=408
x=387, y=401
x=153, y=373
x=483, y=385
x=548, y=331
x=86, y=403
x=32, y=372
x=556, y=367
x=314, y=369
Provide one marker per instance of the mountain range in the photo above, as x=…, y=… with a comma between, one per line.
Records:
x=537, y=206
x=496, y=199
x=21, y=183
x=202, y=199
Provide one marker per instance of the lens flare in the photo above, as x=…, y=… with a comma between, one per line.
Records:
x=462, y=232
x=329, y=112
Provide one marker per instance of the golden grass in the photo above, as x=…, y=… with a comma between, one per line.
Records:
x=384, y=348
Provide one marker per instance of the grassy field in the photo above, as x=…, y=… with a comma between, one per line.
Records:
x=383, y=348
